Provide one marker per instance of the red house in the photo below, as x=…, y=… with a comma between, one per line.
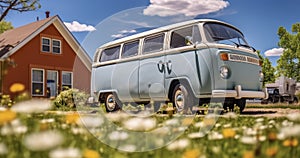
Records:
x=44, y=57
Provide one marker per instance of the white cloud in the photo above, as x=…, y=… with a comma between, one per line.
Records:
x=77, y=27
x=123, y=33
x=186, y=7
x=274, y=52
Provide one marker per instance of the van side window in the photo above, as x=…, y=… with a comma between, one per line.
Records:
x=130, y=49
x=178, y=37
x=110, y=54
x=153, y=44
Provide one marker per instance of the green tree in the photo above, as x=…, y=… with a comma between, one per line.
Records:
x=288, y=63
x=17, y=5
x=267, y=69
x=5, y=26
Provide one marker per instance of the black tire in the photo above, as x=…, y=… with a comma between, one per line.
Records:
x=296, y=100
x=111, y=102
x=182, y=98
x=241, y=103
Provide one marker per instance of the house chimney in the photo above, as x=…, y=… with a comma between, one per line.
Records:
x=47, y=14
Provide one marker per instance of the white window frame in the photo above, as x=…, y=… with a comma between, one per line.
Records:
x=62, y=80
x=46, y=45
x=52, y=47
x=43, y=82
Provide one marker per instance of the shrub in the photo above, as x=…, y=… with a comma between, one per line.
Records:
x=70, y=99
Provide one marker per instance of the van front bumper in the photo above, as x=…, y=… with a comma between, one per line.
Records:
x=238, y=93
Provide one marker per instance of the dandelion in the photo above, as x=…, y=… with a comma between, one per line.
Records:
x=272, y=136
x=72, y=118
x=3, y=149
x=193, y=153
x=90, y=154
x=116, y=135
x=7, y=116
x=249, y=154
x=178, y=144
x=43, y=140
x=272, y=151
x=291, y=142
x=65, y=153
x=32, y=106
x=140, y=124
x=17, y=87
x=228, y=133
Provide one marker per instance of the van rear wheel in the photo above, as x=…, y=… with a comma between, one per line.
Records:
x=111, y=103
x=182, y=98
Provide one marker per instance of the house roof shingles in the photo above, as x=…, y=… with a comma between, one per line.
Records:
x=11, y=38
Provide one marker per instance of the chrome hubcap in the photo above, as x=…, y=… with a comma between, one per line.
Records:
x=110, y=102
x=179, y=100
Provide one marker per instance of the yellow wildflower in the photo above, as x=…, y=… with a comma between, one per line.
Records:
x=272, y=136
x=187, y=121
x=72, y=118
x=271, y=152
x=7, y=116
x=248, y=154
x=291, y=142
x=228, y=133
x=17, y=87
x=194, y=153
x=90, y=154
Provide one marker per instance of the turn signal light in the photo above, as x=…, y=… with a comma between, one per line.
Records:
x=224, y=56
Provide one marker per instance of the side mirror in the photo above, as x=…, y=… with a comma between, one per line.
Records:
x=189, y=40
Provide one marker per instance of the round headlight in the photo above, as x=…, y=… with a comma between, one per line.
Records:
x=261, y=76
x=224, y=72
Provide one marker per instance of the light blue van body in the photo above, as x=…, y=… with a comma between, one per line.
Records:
x=147, y=66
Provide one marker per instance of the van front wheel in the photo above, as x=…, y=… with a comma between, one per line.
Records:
x=182, y=99
x=111, y=103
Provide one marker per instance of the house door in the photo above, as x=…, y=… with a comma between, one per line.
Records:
x=52, y=82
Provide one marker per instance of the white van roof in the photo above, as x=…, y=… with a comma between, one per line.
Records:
x=161, y=29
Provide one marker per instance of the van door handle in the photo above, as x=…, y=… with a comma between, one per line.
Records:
x=161, y=66
x=169, y=66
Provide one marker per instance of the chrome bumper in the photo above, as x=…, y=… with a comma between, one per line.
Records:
x=238, y=93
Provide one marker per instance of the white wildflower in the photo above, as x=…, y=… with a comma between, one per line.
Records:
x=50, y=120
x=172, y=122
x=65, y=153
x=3, y=149
x=287, y=123
x=178, y=144
x=43, y=140
x=128, y=148
x=259, y=120
x=262, y=138
x=199, y=124
x=272, y=122
x=215, y=136
x=228, y=125
x=216, y=149
x=232, y=115
x=196, y=135
x=90, y=121
x=140, y=124
x=293, y=116
x=248, y=140
x=32, y=106
x=116, y=135
x=293, y=131
x=78, y=130
x=117, y=117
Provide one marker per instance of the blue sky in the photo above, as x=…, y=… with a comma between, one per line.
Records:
x=95, y=22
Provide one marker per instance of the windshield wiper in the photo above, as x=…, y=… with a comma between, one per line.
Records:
x=236, y=44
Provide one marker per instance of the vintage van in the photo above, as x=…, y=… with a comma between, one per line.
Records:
x=188, y=63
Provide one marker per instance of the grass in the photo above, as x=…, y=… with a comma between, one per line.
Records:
x=95, y=134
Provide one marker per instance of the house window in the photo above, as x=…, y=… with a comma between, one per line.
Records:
x=37, y=82
x=56, y=46
x=45, y=44
x=67, y=80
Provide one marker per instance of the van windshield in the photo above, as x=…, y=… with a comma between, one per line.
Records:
x=224, y=34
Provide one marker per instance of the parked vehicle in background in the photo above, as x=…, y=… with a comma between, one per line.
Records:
x=283, y=90
x=189, y=63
